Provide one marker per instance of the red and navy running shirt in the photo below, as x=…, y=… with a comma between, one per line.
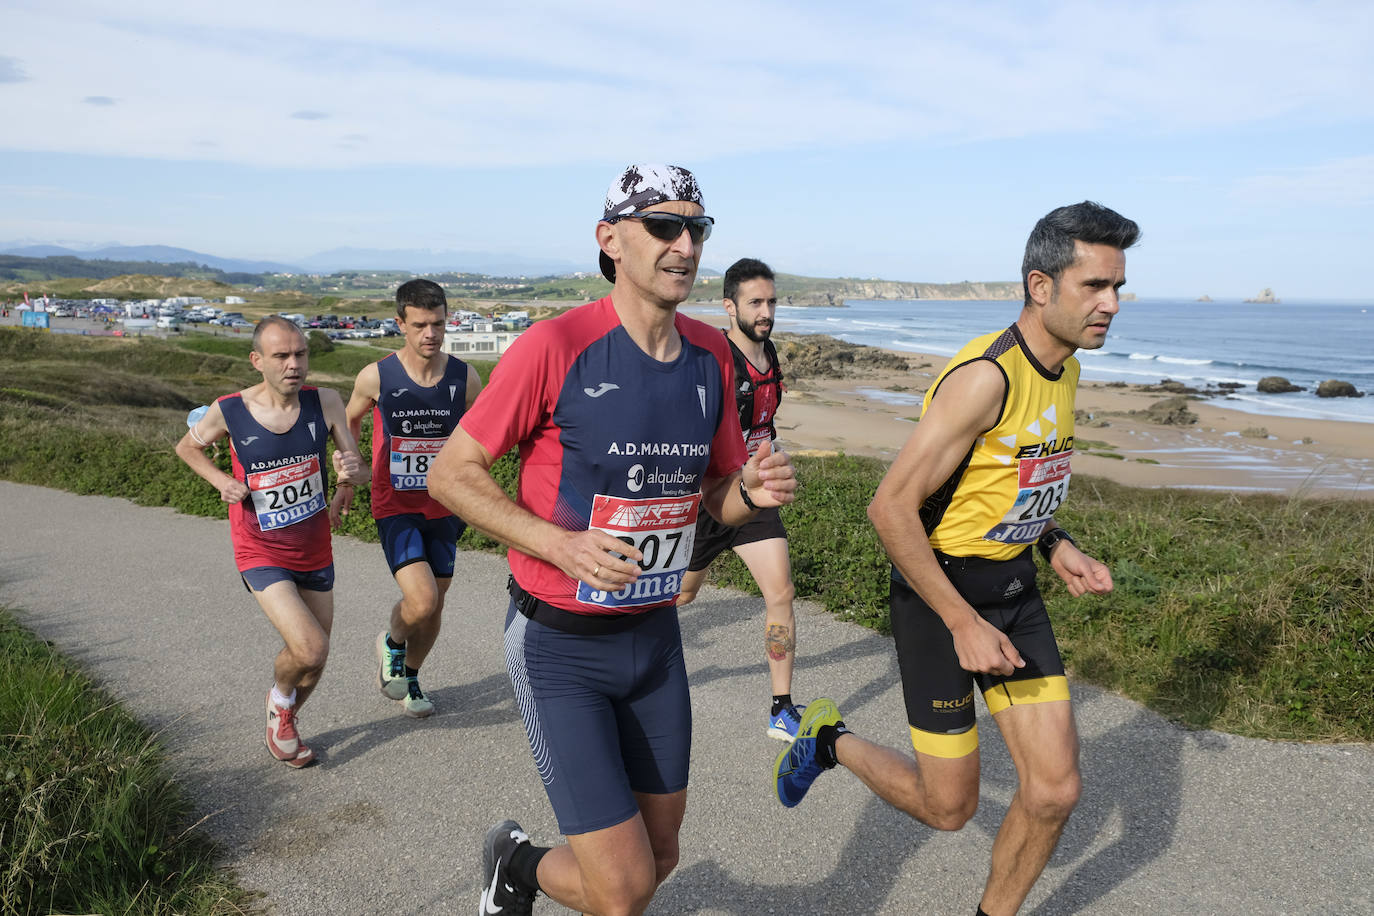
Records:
x=410, y=424
x=762, y=391
x=283, y=521
x=611, y=438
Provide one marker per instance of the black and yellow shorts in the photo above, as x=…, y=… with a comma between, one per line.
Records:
x=939, y=693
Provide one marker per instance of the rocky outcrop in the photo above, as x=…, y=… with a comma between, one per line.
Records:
x=807, y=291
x=1204, y=298
x=1333, y=388
x=1276, y=384
x=817, y=356
x=1266, y=296
x=1169, y=412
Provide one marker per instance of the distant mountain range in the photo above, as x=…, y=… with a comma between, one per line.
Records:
x=325, y=262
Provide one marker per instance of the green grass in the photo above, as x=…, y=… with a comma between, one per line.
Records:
x=1250, y=614
x=90, y=819
x=1246, y=613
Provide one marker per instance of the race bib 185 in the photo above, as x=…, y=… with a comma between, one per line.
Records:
x=662, y=529
x=287, y=495
x=1042, y=484
x=410, y=461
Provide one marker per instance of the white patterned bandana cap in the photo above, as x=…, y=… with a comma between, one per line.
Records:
x=641, y=186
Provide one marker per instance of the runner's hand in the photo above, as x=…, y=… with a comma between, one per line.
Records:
x=601, y=560
x=349, y=466
x=235, y=491
x=983, y=648
x=770, y=477
x=1080, y=572
x=338, y=508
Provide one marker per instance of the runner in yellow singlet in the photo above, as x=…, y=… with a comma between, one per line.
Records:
x=985, y=471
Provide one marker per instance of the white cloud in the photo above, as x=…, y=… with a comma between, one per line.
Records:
x=346, y=84
x=1337, y=183
x=11, y=71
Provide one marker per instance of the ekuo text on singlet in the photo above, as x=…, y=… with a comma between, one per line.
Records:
x=1007, y=488
x=410, y=424
x=283, y=521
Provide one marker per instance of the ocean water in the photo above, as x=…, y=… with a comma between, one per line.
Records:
x=1197, y=343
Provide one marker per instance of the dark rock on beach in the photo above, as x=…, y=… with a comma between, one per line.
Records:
x=817, y=356
x=1169, y=412
x=1276, y=384
x=1332, y=388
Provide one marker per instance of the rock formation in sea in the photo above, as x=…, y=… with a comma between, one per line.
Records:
x=1276, y=384
x=1334, y=388
x=1204, y=298
x=1267, y=297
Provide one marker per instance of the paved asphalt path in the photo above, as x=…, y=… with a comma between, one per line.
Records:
x=1171, y=821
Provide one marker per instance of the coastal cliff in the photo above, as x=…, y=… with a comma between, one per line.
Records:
x=795, y=290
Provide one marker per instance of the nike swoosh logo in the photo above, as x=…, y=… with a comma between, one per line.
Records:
x=489, y=898
x=598, y=392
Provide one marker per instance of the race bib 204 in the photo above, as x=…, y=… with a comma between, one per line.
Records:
x=410, y=461
x=1042, y=484
x=287, y=495
x=662, y=529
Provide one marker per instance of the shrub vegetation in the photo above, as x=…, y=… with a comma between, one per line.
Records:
x=1248, y=613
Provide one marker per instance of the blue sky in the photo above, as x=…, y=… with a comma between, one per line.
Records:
x=896, y=140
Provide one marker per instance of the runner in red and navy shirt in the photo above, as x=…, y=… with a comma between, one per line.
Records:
x=278, y=510
x=416, y=397
x=624, y=415
x=751, y=301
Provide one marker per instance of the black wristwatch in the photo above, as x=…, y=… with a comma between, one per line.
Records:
x=1050, y=538
x=744, y=495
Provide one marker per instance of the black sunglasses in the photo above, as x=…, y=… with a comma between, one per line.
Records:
x=668, y=226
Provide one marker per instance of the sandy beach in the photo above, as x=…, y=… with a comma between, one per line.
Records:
x=871, y=412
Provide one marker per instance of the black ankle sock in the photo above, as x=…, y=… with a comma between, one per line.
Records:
x=780, y=701
x=825, y=743
x=412, y=672
x=393, y=645
x=524, y=865
x=980, y=912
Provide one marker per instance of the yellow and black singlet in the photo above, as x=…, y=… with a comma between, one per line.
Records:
x=1003, y=494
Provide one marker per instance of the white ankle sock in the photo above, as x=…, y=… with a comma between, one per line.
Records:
x=284, y=702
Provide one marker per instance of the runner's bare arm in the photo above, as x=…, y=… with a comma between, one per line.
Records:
x=191, y=449
x=348, y=464
x=366, y=390
x=474, y=385
x=966, y=405
x=460, y=478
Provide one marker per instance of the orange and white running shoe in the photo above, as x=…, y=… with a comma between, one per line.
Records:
x=283, y=741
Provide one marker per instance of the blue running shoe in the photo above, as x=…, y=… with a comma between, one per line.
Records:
x=784, y=725
x=797, y=766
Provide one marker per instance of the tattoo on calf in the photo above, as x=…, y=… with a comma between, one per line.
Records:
x=778, y=642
